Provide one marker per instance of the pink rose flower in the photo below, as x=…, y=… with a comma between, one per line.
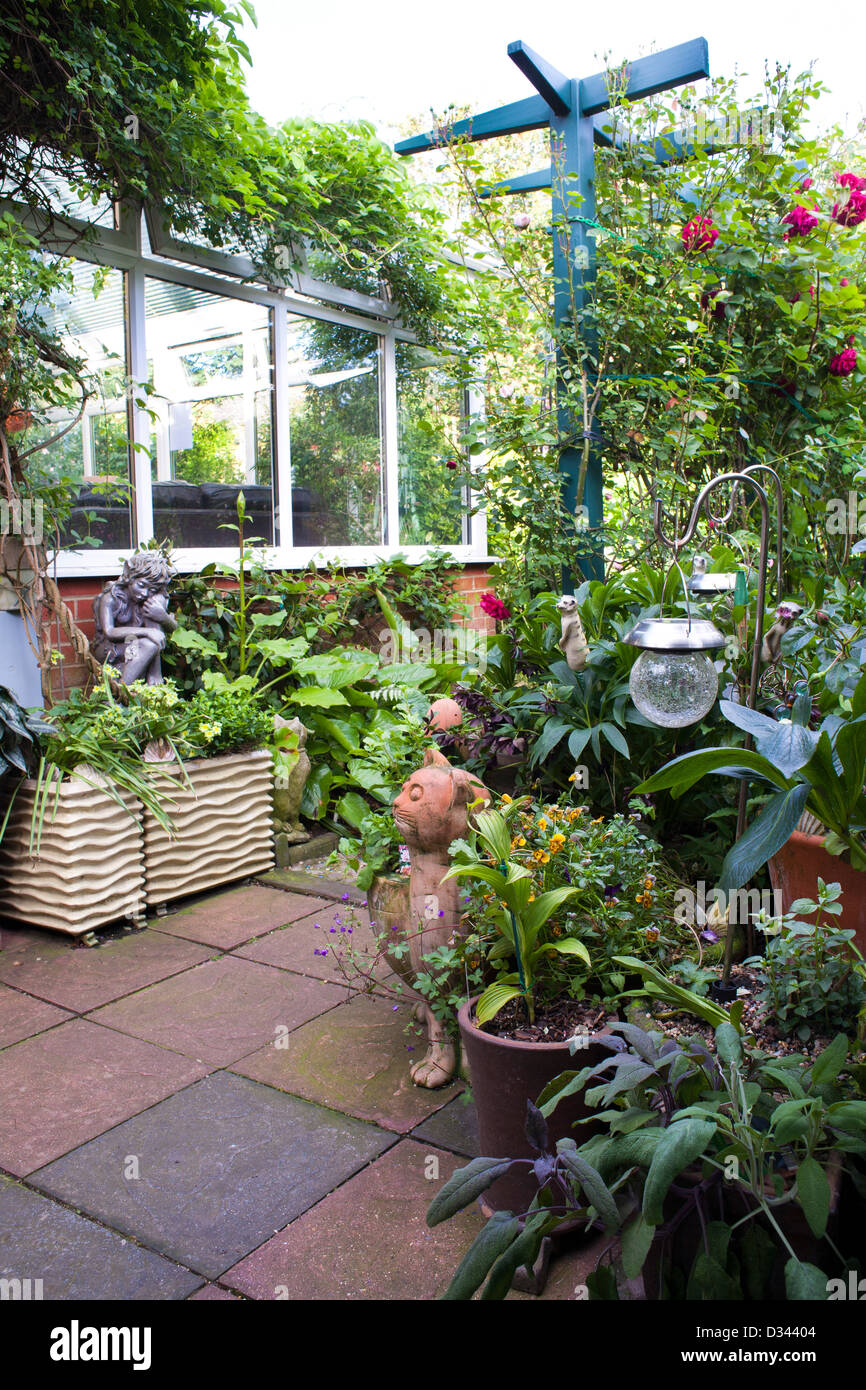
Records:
x=852, y=213
x=844, y=363
x=494, y=607
x=806, y=184
x=699, y=234
x=843, y=282
x=451, y=463
x=800, y=220
x=852, y=181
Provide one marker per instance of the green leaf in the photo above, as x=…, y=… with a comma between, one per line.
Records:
x=537, y=913
x=500, y=1232
x=728, y=1045
x=828, y=1064
x=637, y=1237
x=553, y=732
x=768, y=833
x=689, y=768
x=593, y=1186
x=464, y=1185
x=315, y=695
x=813, y=1192
x=353, y=809
x=570, y=946
x=681, y=1143
x=523, y=1251
x=804, y=1282
x=494, y=998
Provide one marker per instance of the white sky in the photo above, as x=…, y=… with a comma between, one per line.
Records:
x=383, y=60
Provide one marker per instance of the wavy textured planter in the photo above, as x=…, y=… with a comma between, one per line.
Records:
x=223, y=825
x=90, y=867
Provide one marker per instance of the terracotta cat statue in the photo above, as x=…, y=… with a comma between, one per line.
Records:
x=433, y=809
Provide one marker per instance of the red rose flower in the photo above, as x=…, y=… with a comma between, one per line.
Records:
x=800, y=220
x=844, y=363
x=699, y=234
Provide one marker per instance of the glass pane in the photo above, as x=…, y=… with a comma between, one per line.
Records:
x=210, y=368
x=92, y=459
x=429, y=416
x=336, y=435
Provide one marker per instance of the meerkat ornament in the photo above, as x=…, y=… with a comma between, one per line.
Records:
x=573, y=640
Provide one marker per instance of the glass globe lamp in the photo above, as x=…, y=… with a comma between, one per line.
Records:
x=673, y=682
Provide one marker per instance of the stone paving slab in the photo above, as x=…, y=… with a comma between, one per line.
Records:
x=83, y=977
x=212, y=1293
x=222, y=1166
x=454, y=1127
x=75, y=1258
x=356, y=1060
x=332, y=927
x=227, y=920
x=368, y=1240
x=222, y=1010
x=65, y=1086
x=296, y=881
x=21, y=1016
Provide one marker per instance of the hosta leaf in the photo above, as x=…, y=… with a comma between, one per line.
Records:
x=494, y=998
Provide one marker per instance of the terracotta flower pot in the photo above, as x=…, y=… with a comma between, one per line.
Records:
x=504, y=1074
x=798, y=865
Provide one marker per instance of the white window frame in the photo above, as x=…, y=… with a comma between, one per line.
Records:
x=214, y=272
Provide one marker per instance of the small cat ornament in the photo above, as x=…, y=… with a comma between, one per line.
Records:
x=572, y=640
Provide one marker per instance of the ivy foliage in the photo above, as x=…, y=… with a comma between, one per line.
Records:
x=147, y=101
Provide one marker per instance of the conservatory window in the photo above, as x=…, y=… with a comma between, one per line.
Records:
x=433, y=503
x=93, y=457
x=209, y=370
x=335, y=434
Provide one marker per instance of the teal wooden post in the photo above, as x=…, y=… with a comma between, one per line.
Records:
x=572, y=108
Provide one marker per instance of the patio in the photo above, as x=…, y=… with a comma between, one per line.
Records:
x=203, y=1110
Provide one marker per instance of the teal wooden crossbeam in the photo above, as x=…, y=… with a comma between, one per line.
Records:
x=572, y=109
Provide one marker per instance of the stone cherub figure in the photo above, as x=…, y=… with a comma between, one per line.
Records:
x=572, y=640
x=132, y=618
x=431, y=811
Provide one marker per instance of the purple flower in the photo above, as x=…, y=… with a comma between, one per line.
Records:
x=345, y=898
x=709, y=935
x=611, y=891
x=441, y=913
x=800, y=220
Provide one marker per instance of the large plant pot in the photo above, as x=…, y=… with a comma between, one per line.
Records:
x=798, y=865
x=223, y=826
x=504, y=1075
x=90, y=866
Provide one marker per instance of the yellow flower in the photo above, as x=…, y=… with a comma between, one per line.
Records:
x=556, y=843
x=532, y=897
x=539, y=857
x=507, y=800
x=573, y=777
x=652, y=934
x=542, y=824
x=521, y=842
x=598, y=820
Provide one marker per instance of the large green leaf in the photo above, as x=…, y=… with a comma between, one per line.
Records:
x=464, y=1185
x=353, y=809
x=689, y=768
x=537, y=913
x=501, y=1231
x=494, y=998
x=681, y=1143
x=828, y=1064
x=770, y=830
x=318, y=696
x=813, y=1191
x=553, y=732
x=523, y=1251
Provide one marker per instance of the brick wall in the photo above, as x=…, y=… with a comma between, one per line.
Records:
x=79, y=594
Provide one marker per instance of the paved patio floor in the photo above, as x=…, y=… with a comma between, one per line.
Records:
x=206, y=1109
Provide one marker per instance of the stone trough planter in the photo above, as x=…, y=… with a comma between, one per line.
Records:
x=90, y=867
x=97, y=864
x=223, y=825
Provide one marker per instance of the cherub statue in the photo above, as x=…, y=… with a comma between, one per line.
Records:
x=132, y=618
